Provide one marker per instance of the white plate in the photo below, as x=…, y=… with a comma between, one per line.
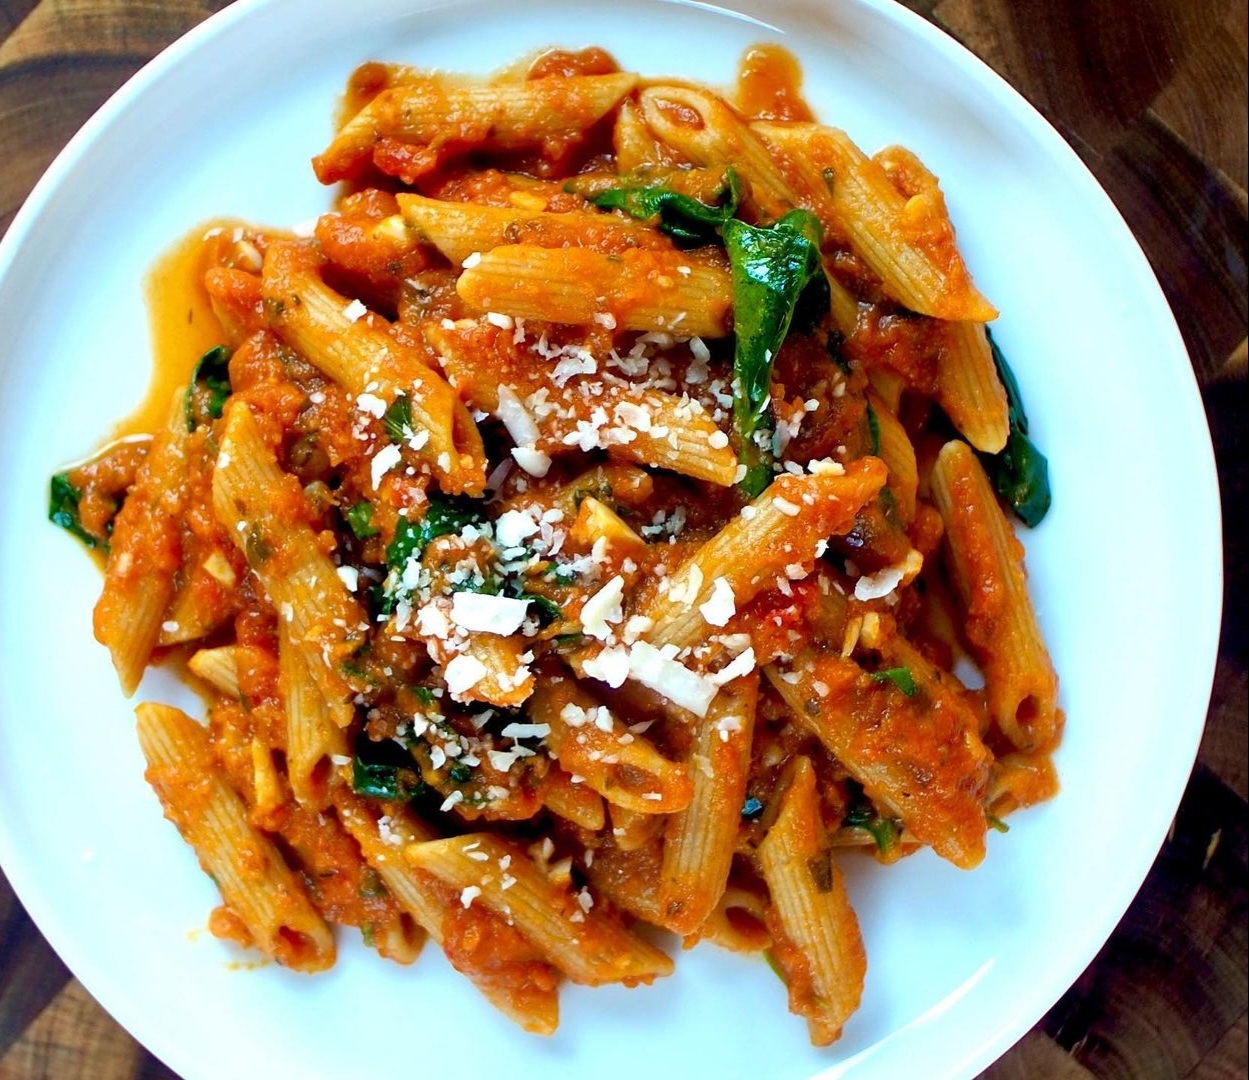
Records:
x=1125, y=569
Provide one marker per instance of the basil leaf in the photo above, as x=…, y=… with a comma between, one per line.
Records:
x=682, y=217
x=771, y=267
x=63, y=500
x=1020, y=472
x=209, y=387
x=900, y=677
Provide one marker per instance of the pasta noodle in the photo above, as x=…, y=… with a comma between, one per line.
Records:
x=573, y=534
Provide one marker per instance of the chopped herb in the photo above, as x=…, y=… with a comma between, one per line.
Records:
x=460, y=773
x=209, y=387
x=601, y=491
x=561, y=574
x=368, y=933
x=398, y=419
x=425, y=695
x=63, y=500
x=257, y=549
x=371, y=885
x=771, y=268
x=566, y=643
x=873, y=432
x=685, y=219
x=900, y=677
x=997, y=824
x=360, y=520
x=889, y=503
x=752, y=808
x=445, y=515
x=384, y=770
x=548, y=611
x=1020, y=472
x=885, y=831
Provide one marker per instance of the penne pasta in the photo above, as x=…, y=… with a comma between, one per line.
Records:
x=700, y=840
x=137, y=590
x=645, y=290
x=817, y=944
x=593, y=745
x=989, y=575
x=256, y=884
x=589, y=947
x=360, y=356
x=703, y=128
x=459, y=229
x=434, y=113
x=567, y=539
x=321, y=615
x=783, y=527
x=908, y=243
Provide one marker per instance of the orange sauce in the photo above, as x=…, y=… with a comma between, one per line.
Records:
x=769, y=85
x=181, y=321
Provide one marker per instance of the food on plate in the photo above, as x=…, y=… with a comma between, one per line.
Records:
x=596, y=519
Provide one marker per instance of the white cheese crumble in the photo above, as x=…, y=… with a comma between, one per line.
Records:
x=463, y=672
x=383, y=461
x=488, y=614
x=516, y=418
x=526, y=731
x=534, y=462
x=603, y=608
x=610, y=666
x=659, y=670
x=878, y=585
x=721, y=606
x=355, y=311
x=371, y=404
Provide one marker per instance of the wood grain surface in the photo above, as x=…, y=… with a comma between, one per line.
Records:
x=1152, y=95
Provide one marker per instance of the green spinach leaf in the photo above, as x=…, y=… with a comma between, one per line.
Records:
x=209, y=387
x=682, y=217
x=1020, y=472
x=63, y=500
x=771, y=267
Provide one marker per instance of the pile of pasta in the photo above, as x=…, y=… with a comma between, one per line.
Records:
x=579, y=529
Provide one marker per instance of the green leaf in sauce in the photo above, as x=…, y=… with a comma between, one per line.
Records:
x=359, y=519
x=397, y=783
x=398, y=419
x=1020, y=472
x=771, y=268
x=885, y=831
x=444, y=516
x=900, y=677
x=685, y=219
x=63, y=500
x=873, y=432
x=209, y=387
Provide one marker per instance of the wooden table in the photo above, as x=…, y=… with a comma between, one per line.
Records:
x=1152, y=95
